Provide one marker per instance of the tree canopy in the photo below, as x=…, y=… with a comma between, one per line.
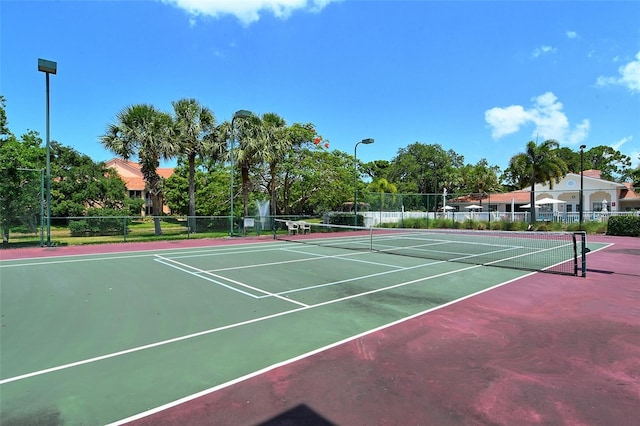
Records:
x=289, y=165
x=21, y=172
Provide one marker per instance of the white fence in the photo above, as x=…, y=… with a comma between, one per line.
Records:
x=376, y=218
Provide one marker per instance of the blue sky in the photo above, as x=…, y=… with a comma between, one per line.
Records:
x=481, y=78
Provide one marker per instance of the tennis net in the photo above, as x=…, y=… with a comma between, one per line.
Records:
x=552, y=252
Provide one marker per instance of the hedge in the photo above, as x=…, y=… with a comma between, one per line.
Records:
x=627, y=226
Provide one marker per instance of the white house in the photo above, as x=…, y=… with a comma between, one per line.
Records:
x=564, y=199
x=602, y=198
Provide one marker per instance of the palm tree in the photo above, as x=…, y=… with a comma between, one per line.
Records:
x=541, y=165
x=274, y=146
x=195, y=123
x=250, y=143
x=480, y=179
x=382, y=186
x=143, y=131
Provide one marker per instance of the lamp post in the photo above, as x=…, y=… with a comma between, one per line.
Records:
x=582, y=147
x=48, y=67
x=239, y=114
x=355, y=179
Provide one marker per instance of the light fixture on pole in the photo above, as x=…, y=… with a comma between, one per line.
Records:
x=48, y=67
x=355, y=179
x=582, y=147
x=239, y=114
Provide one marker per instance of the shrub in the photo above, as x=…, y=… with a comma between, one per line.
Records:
x=628, y=226
x=99, y=222
x=481, y=226
x=78, y=227
x=344, y=219
x=468, y=224
x=211, y=224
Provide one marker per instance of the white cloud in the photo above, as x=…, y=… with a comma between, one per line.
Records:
x=579, y=133
x=618, y=144
x=504, y=121
x=547, y=116
x=635, y=159
x=634, y=154
x=543, y=50
x=247, y=11
x=572, y=34
x=628, y=76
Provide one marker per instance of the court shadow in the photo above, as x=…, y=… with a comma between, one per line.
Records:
x=44, y=417
x=300, y=415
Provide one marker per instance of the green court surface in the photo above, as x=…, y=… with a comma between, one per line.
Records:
x=97, y=339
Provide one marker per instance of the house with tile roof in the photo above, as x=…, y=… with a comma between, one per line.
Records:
x=599, y=196
x=131, y=174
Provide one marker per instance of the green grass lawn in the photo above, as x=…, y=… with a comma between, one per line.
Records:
x=137, y=230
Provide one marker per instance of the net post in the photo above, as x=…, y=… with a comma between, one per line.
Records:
x=575, y=255
x=583, y=253
x=585, y=250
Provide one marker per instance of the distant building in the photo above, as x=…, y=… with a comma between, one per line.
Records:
x=131, y=174
x=599, y=195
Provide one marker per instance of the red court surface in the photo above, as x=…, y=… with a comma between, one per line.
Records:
x=542, y=350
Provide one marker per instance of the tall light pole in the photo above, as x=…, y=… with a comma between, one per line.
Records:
x=48, y=67
x=355, y=179
x=239, y=114
x=582, y=147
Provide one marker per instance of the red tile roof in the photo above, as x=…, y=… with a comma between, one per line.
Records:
x=131, y=173
x=628, y=193
x=521, y=196
x=592, y=173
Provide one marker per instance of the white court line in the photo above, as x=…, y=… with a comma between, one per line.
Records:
x=313, y=287
x=95, y=257
x=299, y=357
x=461, y=241
x=199, y=272
x=282, y=262
x=222, y=252
x=316, y=256
x=226, y=327
x=344, y=256
x=206, y=278
x=58, y=262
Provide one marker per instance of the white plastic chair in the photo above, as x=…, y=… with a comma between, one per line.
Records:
x=304, y=227
x=292, y=227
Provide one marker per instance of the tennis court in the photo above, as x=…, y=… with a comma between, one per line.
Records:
x=104, y=338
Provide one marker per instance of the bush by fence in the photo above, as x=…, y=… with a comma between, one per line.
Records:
x=628, y=226
x=343, y=219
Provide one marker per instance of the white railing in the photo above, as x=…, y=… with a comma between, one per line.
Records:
x=376, y=218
